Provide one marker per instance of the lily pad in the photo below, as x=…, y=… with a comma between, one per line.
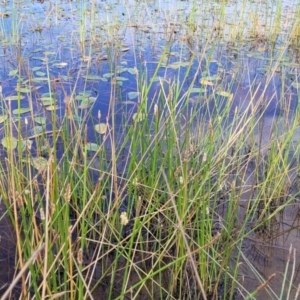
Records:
x=14, y=97
x=132, y=71
x=92, y=77
x=83, y=95
x=40, y=120
x=52, y=107
x=9, y=142
x=26, y=144
x=108, y=75
x=225, y=94
x=133, y=95
x=43, y=99
x=179, y=64
x=21, y=110
x=296, y=85
x=119, y=78
x=138, y=117
x=3, y=118
x=61, y=65
x=206, y=82
x=92, y=147
x=124, y=49
x=211, y=78
x=39, y=163
x=23, y=89
x=196, y=90
x=36, y=130
x=87, y=102
x=39, y=73
x=101, y=128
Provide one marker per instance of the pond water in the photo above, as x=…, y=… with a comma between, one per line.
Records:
x=54, y=52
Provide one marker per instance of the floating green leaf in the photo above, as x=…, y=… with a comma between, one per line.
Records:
x=108, y=75
x=21, y=110
x=15, y=97
x=87, y=102
x=119, y=78
x=92, y=77
x=52, y=107
x=39, y=163
x=13, y=73
x=39, y=79
x=26, y=144
x=179, y=64
x=36, y=69
x=60, y=65
x=196, y=90
x=3, y=118
x=92, y=147
x=132, y=71
x=40, y=120
x=39, y=73
x=37, y=130
x=133, y=95
x=206, y=82
x=23, y=89
x=101, y=128
x=225, y=94
x=138, y=117
x=47, y=99
x=9, y=142
x=211, y=78
x=125, y=49
x=83, y=95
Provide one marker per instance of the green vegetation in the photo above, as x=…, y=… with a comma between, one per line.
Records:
x=193, y=161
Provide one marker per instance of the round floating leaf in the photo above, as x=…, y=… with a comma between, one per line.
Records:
x=23, y=90
x=83, y=95
x=133, y=95
x=132, y=71
x=108, y=75
x=46, y=98
x=76, y=118
x=206, y=82
x=40, y=120
x=13, y=73
x=138, y=117
x=295, y=85
x=61, y=65
x=40, y=79
x=92, y=147
x=36, y=130
x=101, y=128
x=39, y=163
x=125, y=49
x=92, y=77
x=196, y=90
x=177, y=65
x=26, y=144
x=3, y=118
x=39, y=73
x=120, y=78
x=212, y=78
x=52, y=107
x=225, y=94
x=21, y=110
x=15, y=97
x=87, y=102
x=9, y=142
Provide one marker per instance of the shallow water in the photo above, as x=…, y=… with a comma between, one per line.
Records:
x=65, y=49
